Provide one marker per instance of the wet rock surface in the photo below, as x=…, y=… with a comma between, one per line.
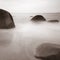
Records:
x=6, y=20
x=48, y=52
x=53, y=21
x=38, y=18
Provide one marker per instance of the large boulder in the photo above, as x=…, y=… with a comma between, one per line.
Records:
x=6, y=20
x=38, y=18
x=53, y=21
x=48, y=51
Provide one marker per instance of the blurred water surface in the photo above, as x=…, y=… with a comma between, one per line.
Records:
x=20, y=43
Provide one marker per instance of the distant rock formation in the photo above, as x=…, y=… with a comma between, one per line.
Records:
x=38, y=18
x=6, y=20
x=48, y=51
x=53, y=21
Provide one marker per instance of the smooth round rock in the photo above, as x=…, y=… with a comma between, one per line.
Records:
x=48, y=51
x=38, y=18
x=6, y=20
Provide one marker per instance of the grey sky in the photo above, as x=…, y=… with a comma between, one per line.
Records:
x=27, y=6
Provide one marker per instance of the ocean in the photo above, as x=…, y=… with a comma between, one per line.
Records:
x=21, y=42
x=25, y=17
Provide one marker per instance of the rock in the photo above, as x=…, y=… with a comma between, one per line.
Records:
x=52, y=57
x=38, y=18
x=6, y=20
x=48, y=51
x=53, y=21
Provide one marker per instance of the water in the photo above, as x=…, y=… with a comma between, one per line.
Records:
x=25, y=17
x=20, y=43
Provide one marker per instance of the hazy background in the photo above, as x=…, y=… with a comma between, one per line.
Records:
x=31, y=6
x=21, y=10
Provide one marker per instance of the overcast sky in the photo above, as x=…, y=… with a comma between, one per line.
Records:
x=31, y=6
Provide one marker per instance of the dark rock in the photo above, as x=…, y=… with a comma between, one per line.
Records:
x=48, y=51
x=38, y=18
x=52, y=57
x=6, y=20
x=53, y=21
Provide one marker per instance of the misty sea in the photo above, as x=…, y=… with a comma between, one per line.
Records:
x=21, y=42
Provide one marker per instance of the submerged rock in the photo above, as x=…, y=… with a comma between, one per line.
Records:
x=53, y=21
x=38, y=18
x=48, y=52
x=6, y=20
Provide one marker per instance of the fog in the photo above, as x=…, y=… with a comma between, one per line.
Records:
x=36, y=34
x=22, y=41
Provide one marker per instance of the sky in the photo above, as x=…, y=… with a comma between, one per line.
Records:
x=31, y=6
